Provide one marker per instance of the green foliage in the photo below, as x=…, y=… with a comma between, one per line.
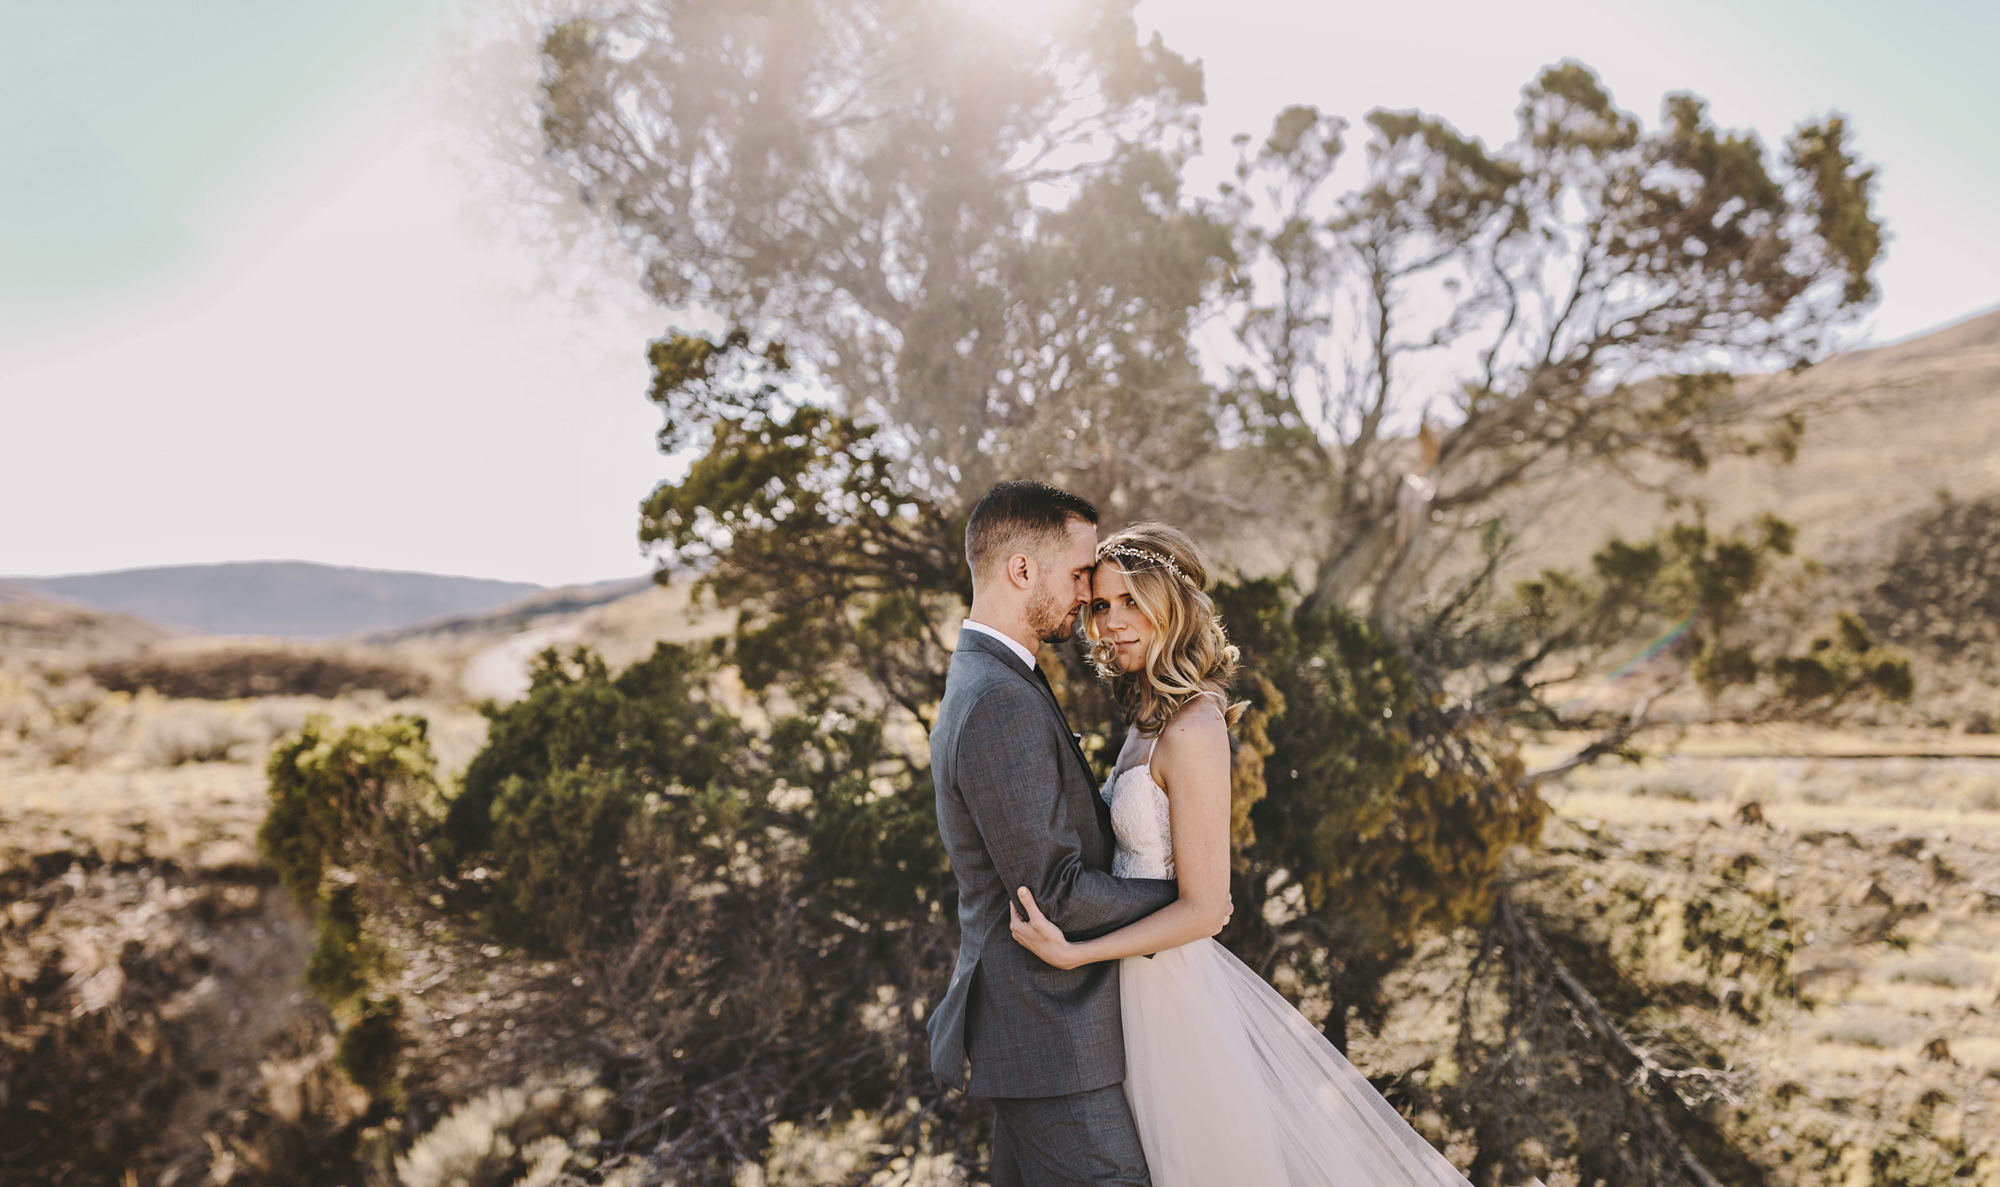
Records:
x=770, y=904
x=615, y=775
x=803, y=521
x=1341, y=745
x=366, y=1050
x=559, y=849
x=349, y=810
x=1842, y=664
x=872, y=848
x=344, y=958
x=1382, y=817
x=363, y=796
x=1695, y=585
x=566, y=772
x=1841, y=196
x=656, y=720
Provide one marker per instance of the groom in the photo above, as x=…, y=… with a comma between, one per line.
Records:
x=1017, y=806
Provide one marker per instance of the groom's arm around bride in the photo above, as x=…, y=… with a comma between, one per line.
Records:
x=1017, y=807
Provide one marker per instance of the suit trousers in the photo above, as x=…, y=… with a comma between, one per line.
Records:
x=1086, y=1138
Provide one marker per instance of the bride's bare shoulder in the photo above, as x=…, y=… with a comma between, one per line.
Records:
x=1202, y=713
x=1197, y=727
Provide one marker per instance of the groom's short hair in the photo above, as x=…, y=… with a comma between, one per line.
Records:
x=1020, y=516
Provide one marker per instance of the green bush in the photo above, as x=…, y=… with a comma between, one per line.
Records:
x=768, y=912
x=344, y=959
x=1382, y=814
x=366, y=1050
x=592, y=781
x=654, y=720
x=560, y=851
x=349, y=810
x=550, y=803
x=363, y=797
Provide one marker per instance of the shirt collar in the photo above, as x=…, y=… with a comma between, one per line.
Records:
x=1027, y=657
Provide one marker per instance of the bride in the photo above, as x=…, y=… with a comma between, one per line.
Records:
x=1227, y=1082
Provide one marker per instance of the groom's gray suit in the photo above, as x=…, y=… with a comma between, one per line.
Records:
x=1017, y=807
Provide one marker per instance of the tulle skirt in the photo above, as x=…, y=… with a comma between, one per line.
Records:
x=1230, y=1085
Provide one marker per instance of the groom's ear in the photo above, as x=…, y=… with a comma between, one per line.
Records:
x=1021, y=570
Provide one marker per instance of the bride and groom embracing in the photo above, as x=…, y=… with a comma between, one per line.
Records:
x=1118, y=1042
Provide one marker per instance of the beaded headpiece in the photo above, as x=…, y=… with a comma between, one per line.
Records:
x=1158, y=559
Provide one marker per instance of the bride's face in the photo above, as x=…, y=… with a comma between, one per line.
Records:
x=1118, y=617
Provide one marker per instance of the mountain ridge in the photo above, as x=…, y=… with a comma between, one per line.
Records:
x=292, y=599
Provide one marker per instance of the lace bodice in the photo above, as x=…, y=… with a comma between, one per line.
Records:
x=1141, y=822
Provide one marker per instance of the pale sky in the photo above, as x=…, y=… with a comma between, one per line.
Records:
x=247, y=312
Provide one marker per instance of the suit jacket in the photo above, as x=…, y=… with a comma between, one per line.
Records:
x=1017, y=806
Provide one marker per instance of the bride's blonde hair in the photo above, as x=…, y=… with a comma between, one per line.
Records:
x=1190, y=655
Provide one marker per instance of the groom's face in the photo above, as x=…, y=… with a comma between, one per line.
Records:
x=1062, y=583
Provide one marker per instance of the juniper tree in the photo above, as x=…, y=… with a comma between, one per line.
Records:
x=952, y=252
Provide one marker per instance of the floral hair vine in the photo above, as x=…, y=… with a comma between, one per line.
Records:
x=1160, y=559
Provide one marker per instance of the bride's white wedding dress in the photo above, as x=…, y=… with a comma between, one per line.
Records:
x=1228, y=1083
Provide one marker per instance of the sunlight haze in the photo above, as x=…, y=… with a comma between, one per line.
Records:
x=252, y=309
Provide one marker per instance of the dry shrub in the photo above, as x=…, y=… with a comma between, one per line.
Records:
x=1881, y=1033
x=839, y=1152
x=66, y=720
x=178, y=733
x=523, y=1135
x=233, y=674
x=1941, y=971
x=1682, y=791
x=1942, y=590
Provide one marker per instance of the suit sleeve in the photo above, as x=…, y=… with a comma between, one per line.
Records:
x=1010, y=756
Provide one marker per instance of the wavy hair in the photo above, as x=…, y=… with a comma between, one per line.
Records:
x=1190, y=655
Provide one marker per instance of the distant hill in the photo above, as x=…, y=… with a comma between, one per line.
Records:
x=1896, y=489
x=296, y=599
x=1891, y=433
x=537, y=609
x=32, y=623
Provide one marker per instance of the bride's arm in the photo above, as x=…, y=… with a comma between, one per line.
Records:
x=1192, y=766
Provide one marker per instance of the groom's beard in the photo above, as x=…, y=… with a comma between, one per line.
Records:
x=1050, y=619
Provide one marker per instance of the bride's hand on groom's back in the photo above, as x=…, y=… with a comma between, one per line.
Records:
x=1033, y=931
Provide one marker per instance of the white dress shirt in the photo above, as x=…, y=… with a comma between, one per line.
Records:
x=1027, y=657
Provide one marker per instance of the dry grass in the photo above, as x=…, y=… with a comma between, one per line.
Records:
x=1876, y=1058
x=150, y=969
x=127, y=827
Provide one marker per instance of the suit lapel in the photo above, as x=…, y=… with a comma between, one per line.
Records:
x=1049, y=695
x=1006, y=655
